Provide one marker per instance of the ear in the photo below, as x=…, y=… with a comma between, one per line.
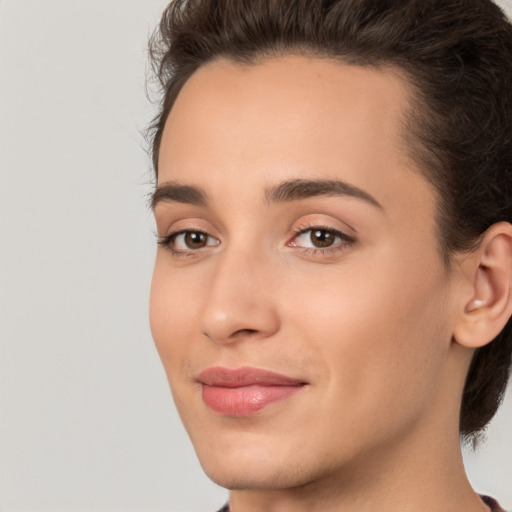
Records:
x=486, y=305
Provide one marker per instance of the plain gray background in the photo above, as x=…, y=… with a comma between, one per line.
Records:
x=86, y=419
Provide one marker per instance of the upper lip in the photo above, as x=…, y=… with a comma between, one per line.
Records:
x=245, y=376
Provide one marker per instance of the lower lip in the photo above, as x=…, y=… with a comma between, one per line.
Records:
x=244, y=400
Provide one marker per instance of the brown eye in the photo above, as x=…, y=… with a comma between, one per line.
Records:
x=188, y=241
x=322, y=238
x=195, y=239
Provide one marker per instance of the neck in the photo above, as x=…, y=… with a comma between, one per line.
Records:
x=407, y=475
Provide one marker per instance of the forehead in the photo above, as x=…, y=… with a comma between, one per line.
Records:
x=234, y=127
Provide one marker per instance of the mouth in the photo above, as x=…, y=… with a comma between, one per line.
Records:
x=245, y=391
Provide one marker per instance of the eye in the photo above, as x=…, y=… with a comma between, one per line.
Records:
x=318, y=238
x=188, y=241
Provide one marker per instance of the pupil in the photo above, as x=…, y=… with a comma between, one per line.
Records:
x=195, y=239
x=322, y=238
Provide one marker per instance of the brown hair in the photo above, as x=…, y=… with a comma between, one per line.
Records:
x=457, y=56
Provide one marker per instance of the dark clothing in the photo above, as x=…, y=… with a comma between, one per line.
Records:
x=490, y=502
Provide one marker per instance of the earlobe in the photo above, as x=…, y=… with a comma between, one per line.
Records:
x=489, y=307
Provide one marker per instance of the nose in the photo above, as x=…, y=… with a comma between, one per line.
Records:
x=240, y=303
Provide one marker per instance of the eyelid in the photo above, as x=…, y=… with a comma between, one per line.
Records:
x=345, y=240
x=188, y=231
x=342, y=240
x=167, y=240
x=327, y=225
x=335, y=231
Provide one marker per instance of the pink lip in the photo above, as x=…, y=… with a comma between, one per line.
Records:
x=244, y=391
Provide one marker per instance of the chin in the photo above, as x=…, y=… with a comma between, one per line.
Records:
x=258, y=467
x=269, y=476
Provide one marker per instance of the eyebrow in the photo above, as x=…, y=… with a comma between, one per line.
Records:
x=287, y=191
x=171, y=191
x=297, y=189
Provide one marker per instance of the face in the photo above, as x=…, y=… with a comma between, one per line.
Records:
x=299, y=302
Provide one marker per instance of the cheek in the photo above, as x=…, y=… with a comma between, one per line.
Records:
x=171, y=316
x=378, y=335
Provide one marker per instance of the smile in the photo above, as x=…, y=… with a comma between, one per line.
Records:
x=244, y=391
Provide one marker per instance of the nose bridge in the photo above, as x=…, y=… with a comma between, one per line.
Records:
x=239, y=301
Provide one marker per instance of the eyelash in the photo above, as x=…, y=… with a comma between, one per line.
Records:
x=346, y=241
x=167, y=242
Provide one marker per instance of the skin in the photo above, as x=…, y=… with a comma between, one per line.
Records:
x=368, y=322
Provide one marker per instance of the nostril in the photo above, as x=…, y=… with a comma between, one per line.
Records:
x=242, y=332
x=239, y=332
x=237, y=320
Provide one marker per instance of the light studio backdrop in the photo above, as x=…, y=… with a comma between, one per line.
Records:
x=86, y=419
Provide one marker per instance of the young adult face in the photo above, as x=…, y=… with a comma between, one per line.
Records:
x=298, y=239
